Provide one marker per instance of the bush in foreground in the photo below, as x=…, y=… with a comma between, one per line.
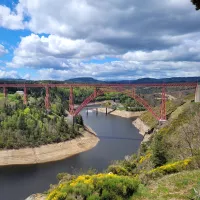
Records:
x=96, y=187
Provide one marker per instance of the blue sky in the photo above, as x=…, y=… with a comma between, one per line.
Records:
x=107, y=39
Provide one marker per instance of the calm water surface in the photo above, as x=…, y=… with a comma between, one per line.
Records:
x=18, y=182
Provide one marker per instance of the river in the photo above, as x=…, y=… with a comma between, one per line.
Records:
x=118, y=137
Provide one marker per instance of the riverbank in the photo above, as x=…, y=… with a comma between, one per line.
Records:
x=36, y=197
x=141, y=126
x=50, y=152
x=143, y=129
x=121, y=113
x=138, y=123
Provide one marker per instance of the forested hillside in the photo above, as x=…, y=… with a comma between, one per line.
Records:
x=31, y=125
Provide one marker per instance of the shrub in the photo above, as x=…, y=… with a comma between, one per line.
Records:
x=119, y=170
x=144, y=158
x=171, y=168
x=98, y=187
x=65, y=177
x=159, y=151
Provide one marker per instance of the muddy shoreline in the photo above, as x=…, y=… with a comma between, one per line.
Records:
x=50, y=152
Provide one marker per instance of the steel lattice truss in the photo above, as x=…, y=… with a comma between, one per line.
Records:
x=100, y=89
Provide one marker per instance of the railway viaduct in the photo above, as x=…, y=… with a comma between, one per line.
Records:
x=100, y=89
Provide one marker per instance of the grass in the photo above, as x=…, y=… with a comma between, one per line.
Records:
x=181, y=116
x=10, y=97
x=179, y=110
x=150, y=120
x=171, y=187
x=189, y=97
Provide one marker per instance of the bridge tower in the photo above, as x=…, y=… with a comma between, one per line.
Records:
x=133, y=92
x=197, y=94
x=5, y=91
x=47, y=103
x=25, y=96
x=163, y=116
x=71, y=101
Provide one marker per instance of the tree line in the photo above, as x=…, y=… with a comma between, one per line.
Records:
x=30, y=126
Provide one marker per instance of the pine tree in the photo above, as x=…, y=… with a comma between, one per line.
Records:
x=21, y=123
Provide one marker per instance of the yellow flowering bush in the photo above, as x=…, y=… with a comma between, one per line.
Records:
x=98, y=187
x=172, y=167
x=144, y=158
x=118, y=169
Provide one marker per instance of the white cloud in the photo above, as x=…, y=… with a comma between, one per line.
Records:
x=188, y=50
x=27, y=77
x=124, y=69
x=55, y=51
x=9, y=74
x=2, y=50
x=11, y=19
x=153, y=38
x=61, y=16
x=114, y=22
x=123, y=25
x=60, y=58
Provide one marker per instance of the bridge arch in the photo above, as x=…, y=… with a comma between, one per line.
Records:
x=132, y=94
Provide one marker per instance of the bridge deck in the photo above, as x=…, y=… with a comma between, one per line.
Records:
x=68, y=85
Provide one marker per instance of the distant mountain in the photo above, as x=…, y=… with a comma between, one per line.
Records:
x=11, y=80
x=142, y=80
x=92, y=80
x=162, y=80
x=83, y=80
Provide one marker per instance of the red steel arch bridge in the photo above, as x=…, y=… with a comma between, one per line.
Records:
x=100, y=89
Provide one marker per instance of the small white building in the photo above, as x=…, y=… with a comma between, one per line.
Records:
x=20, y=93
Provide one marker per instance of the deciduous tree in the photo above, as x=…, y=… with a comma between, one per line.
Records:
x=196, y=3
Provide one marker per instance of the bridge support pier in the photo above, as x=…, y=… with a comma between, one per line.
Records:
x=71, y=101
x=96, y=111
x=47, y=104
x=25, y=96
x=163, y=117
x=133, y=92
x=197, y=94
x=95, y=92
x=70, y=119
x=5, y=92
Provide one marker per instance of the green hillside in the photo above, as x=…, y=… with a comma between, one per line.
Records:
x=31, y=126
x=181, y=186
x=166, y=167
